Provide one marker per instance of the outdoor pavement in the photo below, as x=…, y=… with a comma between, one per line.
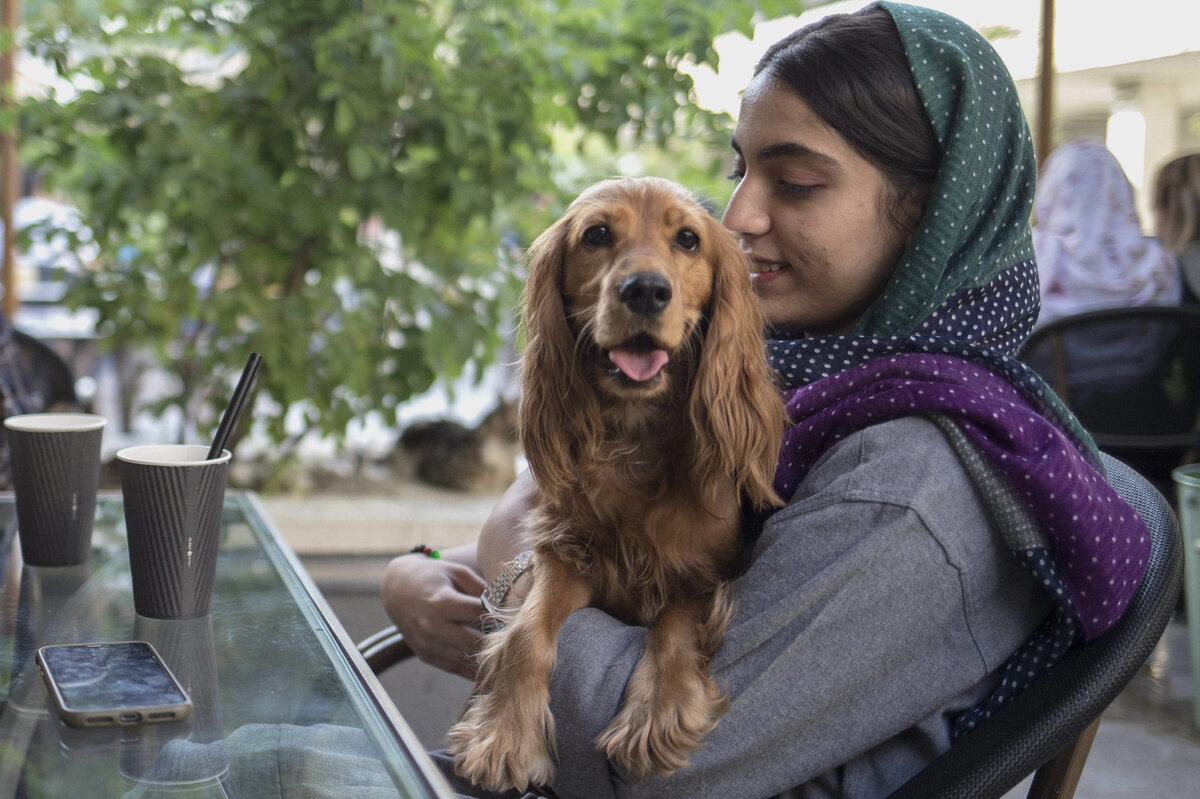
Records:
x=1146, y=748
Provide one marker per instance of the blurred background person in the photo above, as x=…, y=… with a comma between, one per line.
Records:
x=1090, y=249
x=17, y=392
x=1177, y=218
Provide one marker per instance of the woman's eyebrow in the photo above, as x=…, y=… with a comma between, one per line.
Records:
x=792, y=150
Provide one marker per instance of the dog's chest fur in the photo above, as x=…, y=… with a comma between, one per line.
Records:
x=643, y=537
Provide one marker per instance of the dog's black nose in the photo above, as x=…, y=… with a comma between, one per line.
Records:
x=645, y=292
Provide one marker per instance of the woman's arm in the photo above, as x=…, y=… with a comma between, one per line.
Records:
x=436, y=602
x=503, y=534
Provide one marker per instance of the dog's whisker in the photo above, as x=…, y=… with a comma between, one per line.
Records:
x=579, y=350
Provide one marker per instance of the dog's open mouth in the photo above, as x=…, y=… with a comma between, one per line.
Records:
x=638, y=360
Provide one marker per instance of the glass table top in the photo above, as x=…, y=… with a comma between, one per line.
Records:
x=283, y=704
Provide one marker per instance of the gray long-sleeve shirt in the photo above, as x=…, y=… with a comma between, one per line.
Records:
x=879, y=603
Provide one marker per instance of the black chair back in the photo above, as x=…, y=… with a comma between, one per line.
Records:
x=1132, y=376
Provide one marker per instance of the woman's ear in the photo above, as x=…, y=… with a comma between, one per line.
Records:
x=735, y=408
x=555, y=407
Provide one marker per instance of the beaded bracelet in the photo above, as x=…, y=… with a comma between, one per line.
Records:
x=494, y=595
x=428, y=552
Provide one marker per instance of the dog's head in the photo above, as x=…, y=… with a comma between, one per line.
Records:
x=637, y=296
x=634, y=262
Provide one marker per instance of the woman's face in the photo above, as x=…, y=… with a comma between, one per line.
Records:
x=809, y=212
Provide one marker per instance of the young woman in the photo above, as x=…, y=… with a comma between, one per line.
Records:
x=931, y=558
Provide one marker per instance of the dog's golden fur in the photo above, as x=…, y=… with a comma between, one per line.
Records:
x=641, y=472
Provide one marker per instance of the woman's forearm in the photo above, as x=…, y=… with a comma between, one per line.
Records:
x=463, y=554
x=503, y=535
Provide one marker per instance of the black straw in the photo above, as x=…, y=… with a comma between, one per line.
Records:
x=233, y=411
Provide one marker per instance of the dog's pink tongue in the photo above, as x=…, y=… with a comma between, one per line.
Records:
x=639, y=366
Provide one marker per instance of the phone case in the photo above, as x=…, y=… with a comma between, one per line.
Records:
x=123, y=683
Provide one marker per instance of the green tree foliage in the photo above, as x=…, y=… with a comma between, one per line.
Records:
x=245, y=165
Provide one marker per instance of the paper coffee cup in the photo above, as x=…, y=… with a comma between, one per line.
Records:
x=55, y=460
x=174, y=496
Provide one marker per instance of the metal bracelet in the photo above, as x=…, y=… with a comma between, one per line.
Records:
x=494, y=595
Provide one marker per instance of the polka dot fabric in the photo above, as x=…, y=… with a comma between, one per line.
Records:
x=977, y=222
x=984, y=325
x=1100, y=546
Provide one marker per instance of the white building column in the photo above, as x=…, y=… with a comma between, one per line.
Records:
x=1161, y=105
x=1143, y=132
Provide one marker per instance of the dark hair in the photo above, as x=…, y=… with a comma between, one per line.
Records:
x=1177, y=198
x=851, y=69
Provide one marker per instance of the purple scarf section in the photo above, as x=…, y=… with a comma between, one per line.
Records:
x=1099, y=543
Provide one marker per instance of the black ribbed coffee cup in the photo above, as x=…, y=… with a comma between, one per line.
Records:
x=174, y=498
x=55, y=470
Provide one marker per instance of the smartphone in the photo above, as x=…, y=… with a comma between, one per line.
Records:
x=108, y=684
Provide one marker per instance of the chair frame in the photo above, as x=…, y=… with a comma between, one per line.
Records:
x=384, y=649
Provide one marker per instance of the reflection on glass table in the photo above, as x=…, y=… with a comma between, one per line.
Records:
x=283, y=704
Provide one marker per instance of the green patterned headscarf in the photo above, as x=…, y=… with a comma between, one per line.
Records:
x=977, y=222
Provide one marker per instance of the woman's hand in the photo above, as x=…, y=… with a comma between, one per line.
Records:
x=435, y=603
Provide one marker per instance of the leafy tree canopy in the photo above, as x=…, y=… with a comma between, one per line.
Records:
x=344, y=187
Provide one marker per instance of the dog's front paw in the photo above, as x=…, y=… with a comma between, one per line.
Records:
x=498, y=747
x=658, y=733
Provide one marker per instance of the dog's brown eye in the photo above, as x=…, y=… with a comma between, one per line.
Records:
x=687, y=240
x=597, y=236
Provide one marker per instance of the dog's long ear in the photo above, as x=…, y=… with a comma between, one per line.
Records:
x=735, y=409
x=557, y=413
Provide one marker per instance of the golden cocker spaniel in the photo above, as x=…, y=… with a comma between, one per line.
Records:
x=648, y=417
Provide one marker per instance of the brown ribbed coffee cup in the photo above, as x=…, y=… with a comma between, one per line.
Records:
x=55, y=470
x=174, y=498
